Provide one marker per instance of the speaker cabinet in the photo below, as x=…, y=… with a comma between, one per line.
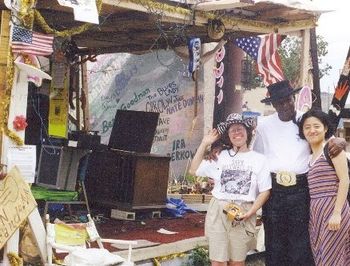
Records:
x=58, y=167
x=127, y=180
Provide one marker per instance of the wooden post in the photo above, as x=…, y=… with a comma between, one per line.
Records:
x=305, y=73
x=12, y=243
x=208, y=89
x=195, y=106
x=232, y=85
x=4, y=46
x=76, y=86
x=316, y=101
x=85, y=96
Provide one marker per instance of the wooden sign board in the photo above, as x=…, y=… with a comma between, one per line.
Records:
x=16, y=203
x=337, y=110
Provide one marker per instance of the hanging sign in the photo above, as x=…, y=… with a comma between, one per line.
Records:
x=341, y=93
x=84, y=10
x=58, y=112
x=16, y=203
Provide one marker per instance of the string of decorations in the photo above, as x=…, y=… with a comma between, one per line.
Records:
x=14, y=259
x=5, y=103
x=65, y=33
x=157, y=261
x=158, y=9
x=26, y=13
x=234, y=22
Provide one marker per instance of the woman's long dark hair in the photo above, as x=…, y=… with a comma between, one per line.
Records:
x=320, y=115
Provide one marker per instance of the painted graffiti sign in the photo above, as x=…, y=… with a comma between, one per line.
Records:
x=145, y=83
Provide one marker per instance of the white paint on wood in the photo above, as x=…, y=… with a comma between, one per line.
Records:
x=209, y=88
x=222, y=4
x=18, y=105
x=11, y=246
x=39, y=232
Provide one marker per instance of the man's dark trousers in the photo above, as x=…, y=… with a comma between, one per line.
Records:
x=286, y=220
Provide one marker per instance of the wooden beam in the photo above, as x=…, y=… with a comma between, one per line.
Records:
x=165, y=10
x=295, y=25
x=169, y=13
x=113, y=21
x=185, y=16
x=222, y=4
x=85, y=96
x=135, y=49
x=280, y=11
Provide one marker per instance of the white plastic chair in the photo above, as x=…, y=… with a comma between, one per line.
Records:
x=74, y=239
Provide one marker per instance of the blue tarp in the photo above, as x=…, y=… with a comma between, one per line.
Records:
x=177, y=207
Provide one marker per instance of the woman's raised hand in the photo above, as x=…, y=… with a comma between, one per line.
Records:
x=212, y=136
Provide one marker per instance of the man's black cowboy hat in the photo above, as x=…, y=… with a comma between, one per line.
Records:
x=279, y=90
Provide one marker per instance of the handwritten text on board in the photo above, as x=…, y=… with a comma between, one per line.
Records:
x=16, y=203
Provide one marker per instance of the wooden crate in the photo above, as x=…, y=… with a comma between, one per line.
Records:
x=192, y=198
x=207, y=198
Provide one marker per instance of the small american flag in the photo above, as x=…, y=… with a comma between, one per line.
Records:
x=264, y=51
x=30, y=42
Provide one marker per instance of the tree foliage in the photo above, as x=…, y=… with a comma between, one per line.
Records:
x=290, y=52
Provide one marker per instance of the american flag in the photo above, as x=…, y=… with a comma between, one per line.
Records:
x=30, y=42
x=264, y=51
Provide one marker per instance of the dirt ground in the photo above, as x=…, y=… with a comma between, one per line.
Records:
x=144, y=227
x=190, y=225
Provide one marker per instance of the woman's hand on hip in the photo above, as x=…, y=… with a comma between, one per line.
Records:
x=334, y=222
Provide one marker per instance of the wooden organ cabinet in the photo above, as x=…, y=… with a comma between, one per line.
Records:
x=127, y=180
x=125, y=175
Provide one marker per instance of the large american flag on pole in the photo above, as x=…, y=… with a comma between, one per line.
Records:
x=263, y=50
x=30, y=42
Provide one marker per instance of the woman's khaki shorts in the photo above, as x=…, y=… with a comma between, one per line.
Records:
x=228, y=241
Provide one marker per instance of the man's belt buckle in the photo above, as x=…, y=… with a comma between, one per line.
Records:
x=286, y=179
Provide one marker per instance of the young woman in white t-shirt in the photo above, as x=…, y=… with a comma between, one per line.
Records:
x=242, y=185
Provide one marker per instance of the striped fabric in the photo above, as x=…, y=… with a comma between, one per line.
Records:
x=30, y=42
x=263, y=50
x=328, y=247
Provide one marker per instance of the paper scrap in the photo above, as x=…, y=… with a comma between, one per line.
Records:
x=24, y=157
x=166, y=232
x=84, y=10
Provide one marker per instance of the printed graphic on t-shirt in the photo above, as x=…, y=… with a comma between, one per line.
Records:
x=236, y=179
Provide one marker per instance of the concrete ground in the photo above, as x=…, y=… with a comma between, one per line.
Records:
x=143, y=256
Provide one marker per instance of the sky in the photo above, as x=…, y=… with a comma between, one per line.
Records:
x=333, y=26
